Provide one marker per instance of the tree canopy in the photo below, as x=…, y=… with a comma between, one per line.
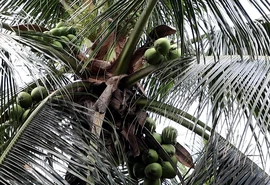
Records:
x=101, y=88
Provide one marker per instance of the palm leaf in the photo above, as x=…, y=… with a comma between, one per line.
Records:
x=233, y=87
x=54, y=141
x=52, y=10
x=224, y=164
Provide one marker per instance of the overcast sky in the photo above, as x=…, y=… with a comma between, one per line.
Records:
x=251, y=10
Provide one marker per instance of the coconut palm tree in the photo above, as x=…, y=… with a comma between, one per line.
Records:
x=101, y=88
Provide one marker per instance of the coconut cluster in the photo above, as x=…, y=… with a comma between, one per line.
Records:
x=150, y=166
x=24, y=101
x=65, y=37
x=162, y=51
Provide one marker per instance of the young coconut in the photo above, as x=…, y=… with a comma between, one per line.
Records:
x=169, y=135
x=150, y=124
x=168, y=170
x=57, y=44
x=153, y=57
x=150, y=156
x=55, y=32
x=60, y=24
x=64, y=38
x=174, y=159
x=71, y=37
x=153, y=171
x=169, y=148
x=174, y=52
x=150, y=144
x=24, y=99
x=39, y=93
x=162, y=46
x=63, y=30
x=25, y=114
x=16, y=111
x=157, y=136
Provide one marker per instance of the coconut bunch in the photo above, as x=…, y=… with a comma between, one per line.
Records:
x=162, y=51
x=151, y=167
x=24, y=101
x=64, y=37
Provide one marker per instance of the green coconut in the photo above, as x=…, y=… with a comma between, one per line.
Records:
x=65, y=38
x=25, y=114
x=39, y=93
x=15, y=111
x=169, y=148
x=150, y=156
x=153, y=171
x=150, y=143
x=162, y=46
x=150, y=124
x=168, y=170
x=24, y=99
x=153, y=57
x=71, y=37
x=174, y=52
x=169, y=135
x=63, y=30
x=174, y=159
x=60, y=24
x=57, y=44
x=157, y=136
x=55, y=31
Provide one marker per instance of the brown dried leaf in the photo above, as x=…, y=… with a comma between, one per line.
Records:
x=103, y=101
x=161, y=31
x=98, y=119
x=137, y=59
x=116, y=104
x=105, y=47
x=141, y=89
x=98, y=66
x=82, y=57
x=118, y=95
x=183, y=156
x=119, y=46
x=28, y=27
x=97, y=81
x=101, y=64
x=129, y=135
x=141, y=117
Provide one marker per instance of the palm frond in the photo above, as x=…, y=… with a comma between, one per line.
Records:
x=220, y=156
x=201, y=20
x=41, y=12
x=220, y=44
x=54, y=142
x=224, y=164
x=234, y=88
x=22, y=70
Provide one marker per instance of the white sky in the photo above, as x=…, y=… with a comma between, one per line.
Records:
x=253, y=12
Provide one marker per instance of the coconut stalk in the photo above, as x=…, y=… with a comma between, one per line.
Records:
x=129, y=48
